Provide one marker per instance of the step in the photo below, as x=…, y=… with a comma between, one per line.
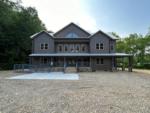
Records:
x=70, y=70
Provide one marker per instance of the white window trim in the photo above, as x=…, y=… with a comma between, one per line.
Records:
x=100, y=46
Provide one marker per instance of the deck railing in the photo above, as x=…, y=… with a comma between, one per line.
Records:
x=42, y=67
x=31, y=67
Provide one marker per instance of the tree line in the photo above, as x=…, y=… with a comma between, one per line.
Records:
x=18, y=23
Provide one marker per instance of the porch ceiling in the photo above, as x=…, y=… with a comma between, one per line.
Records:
x=81, y=54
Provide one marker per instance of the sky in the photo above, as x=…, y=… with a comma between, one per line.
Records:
x=121, y=16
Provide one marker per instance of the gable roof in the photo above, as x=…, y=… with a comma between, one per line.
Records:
x=73, y=25
x=52, y=35
x=37, y=34
x=106, y=34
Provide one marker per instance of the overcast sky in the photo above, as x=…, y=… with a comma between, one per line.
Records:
x=120, y=16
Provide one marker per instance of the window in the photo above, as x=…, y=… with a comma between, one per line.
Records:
x=99, y=61
x=72, y=35
x=44, y=46
x=99, y=46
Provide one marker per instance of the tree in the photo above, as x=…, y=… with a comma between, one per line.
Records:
x=135, y=44
x=17, y=24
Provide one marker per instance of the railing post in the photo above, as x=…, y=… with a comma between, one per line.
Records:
x=64, y=63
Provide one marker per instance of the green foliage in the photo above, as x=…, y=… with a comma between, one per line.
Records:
x=137, y=45
x=17, y=24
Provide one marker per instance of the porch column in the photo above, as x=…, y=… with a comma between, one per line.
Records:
x=115, y=63
x=64, y=63
x=77, y=64
x=30, y=60
x=52, y=62
x=112, y=64
x=90, y=62
x=130, y=63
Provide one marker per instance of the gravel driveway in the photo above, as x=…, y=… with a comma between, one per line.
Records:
x=94, y=92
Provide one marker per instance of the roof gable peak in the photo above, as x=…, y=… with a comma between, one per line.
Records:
x=39, y=33
x=72, y=24
x=106, y=34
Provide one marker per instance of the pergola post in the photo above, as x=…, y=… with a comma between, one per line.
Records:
x=130, y=63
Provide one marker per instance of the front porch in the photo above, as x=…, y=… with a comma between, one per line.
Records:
x=62, y=63
x=83, y=61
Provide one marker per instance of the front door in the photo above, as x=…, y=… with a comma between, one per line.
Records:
x=71, y=62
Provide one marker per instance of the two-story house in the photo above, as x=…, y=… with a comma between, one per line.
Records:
x=74, y=47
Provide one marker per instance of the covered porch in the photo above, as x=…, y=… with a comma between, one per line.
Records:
x=78, y=60
x=61, y=62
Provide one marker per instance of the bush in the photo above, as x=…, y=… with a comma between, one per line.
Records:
x=142, y=66
x=146, y=65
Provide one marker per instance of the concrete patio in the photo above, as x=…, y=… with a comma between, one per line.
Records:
x=49, y=76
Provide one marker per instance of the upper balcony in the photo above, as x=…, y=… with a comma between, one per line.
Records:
x=72, y=48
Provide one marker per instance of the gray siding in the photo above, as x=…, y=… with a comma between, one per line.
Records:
x=73, y=29
x=113, y=44
x=43, y=38
x=36, y=60
x=89, y=44
x=99, y=38
x=105, y=66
